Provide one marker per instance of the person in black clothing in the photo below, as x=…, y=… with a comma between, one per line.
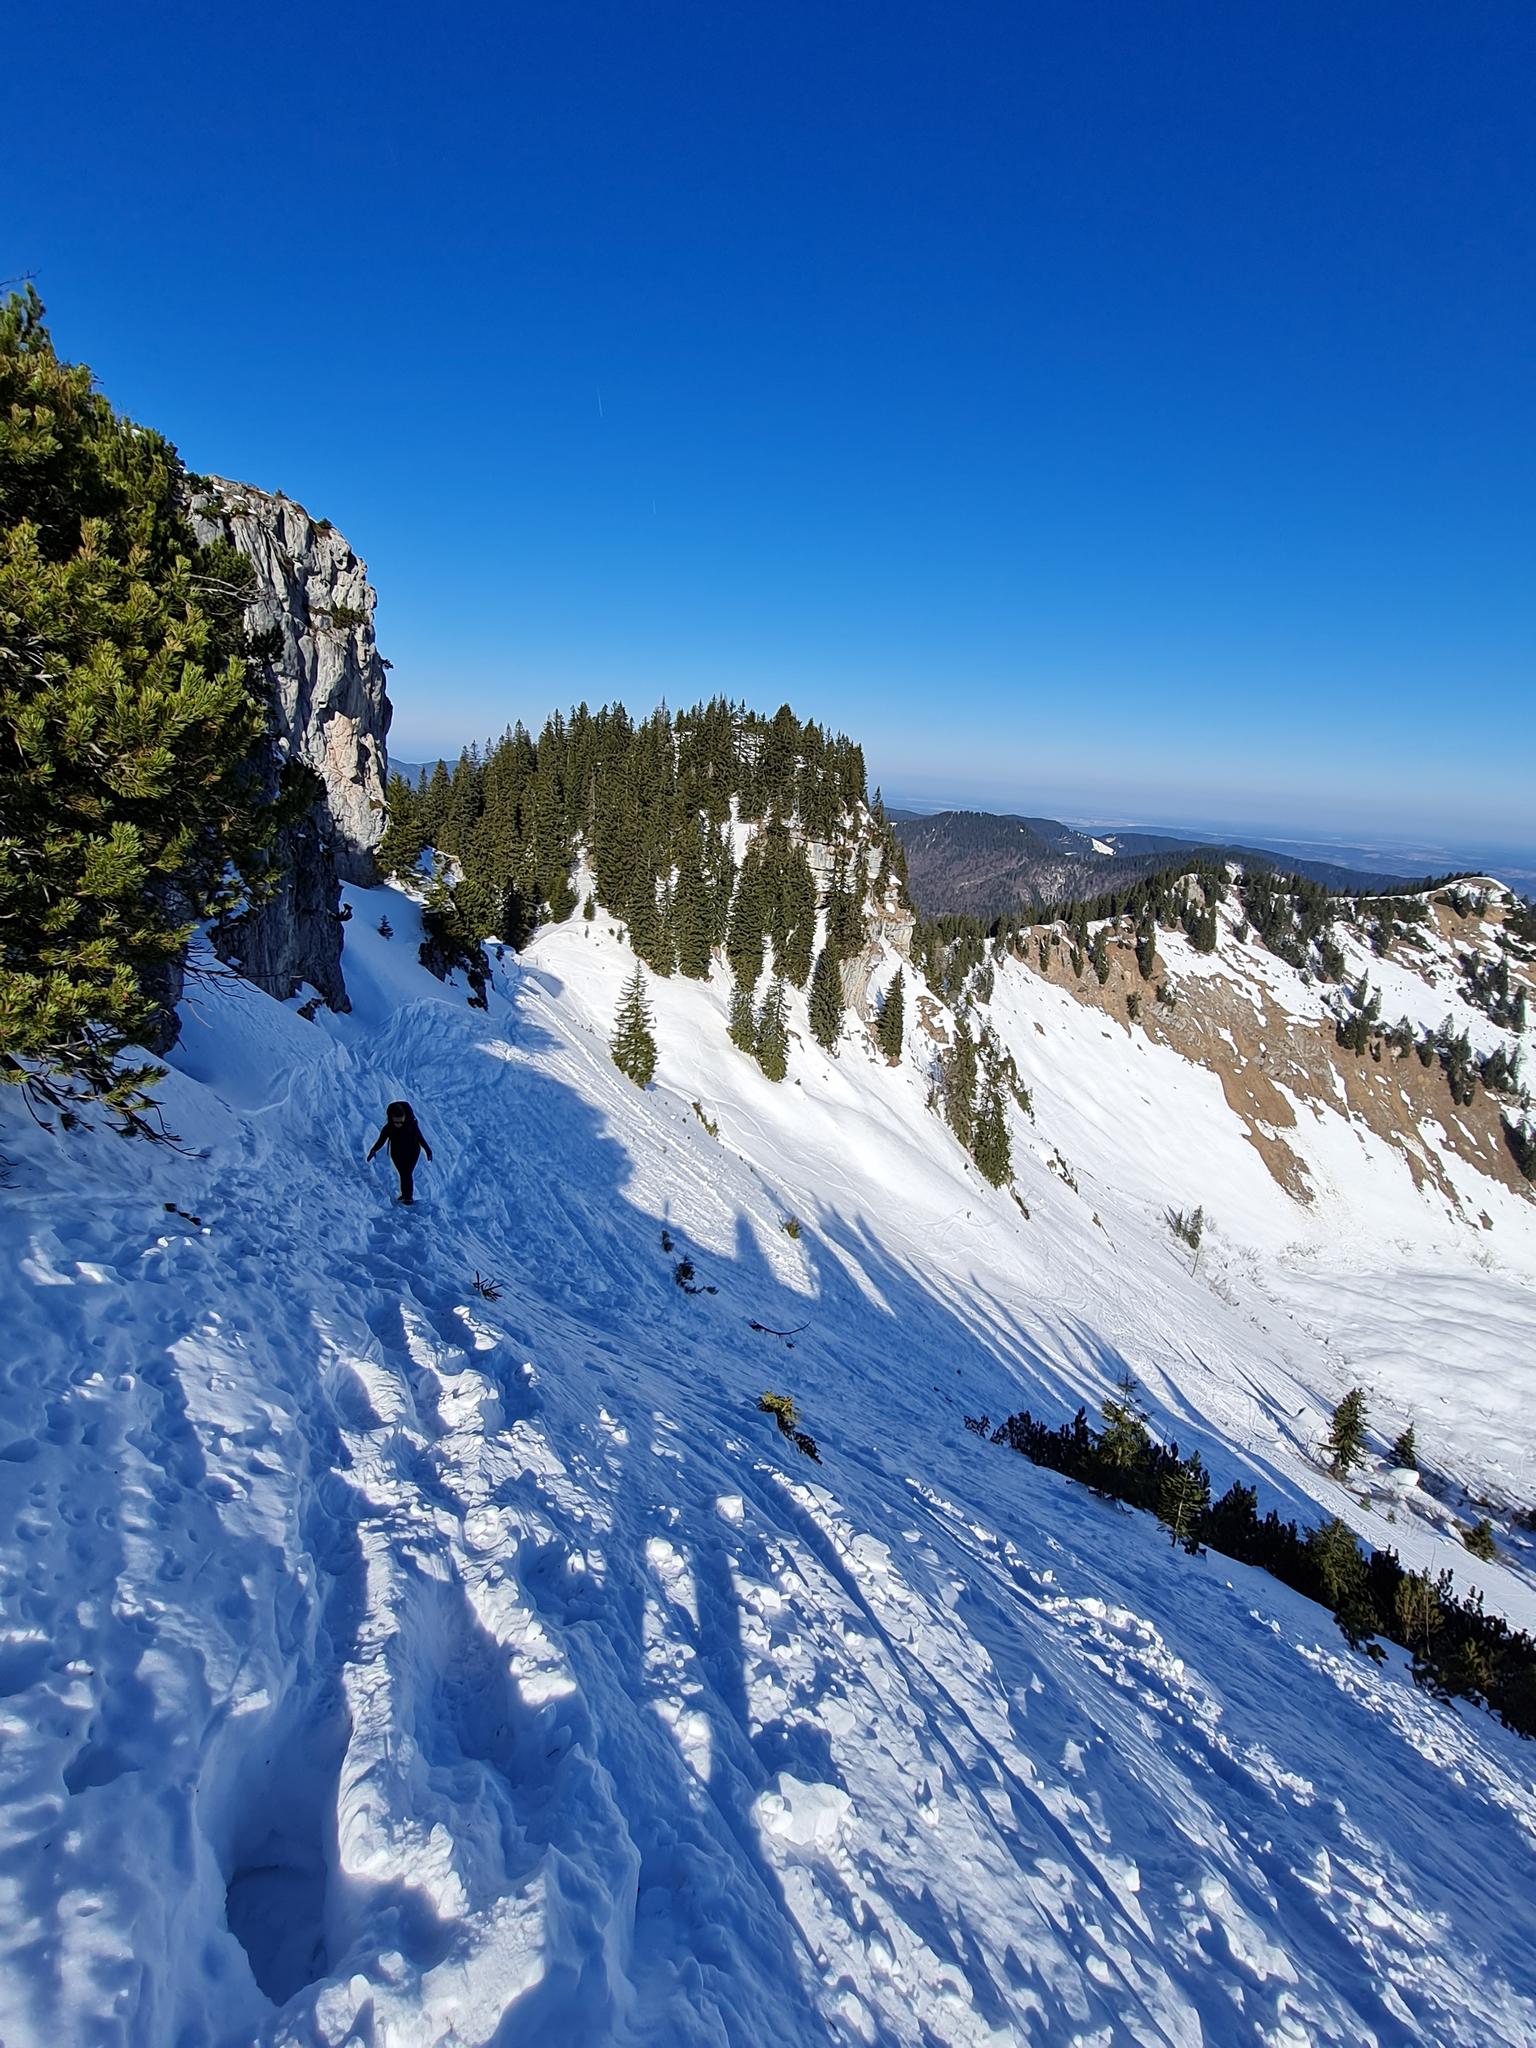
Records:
x=402, y=1134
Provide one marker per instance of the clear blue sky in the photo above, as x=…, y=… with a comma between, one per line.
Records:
x=1111, y=407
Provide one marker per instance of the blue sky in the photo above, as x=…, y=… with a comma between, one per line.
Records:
x=1120, y=410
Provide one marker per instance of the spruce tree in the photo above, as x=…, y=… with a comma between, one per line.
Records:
x=959, y=1084
x=133, y=800
x=692, y=922
x=743, y=1020
x=772, y=1045
x=744, y=939
x=1346, y=1434
x=892, y=1020
x=400, y=848
x=991, y=1147
x=1405, y=1451
x=633, y=1044
x=827, y=999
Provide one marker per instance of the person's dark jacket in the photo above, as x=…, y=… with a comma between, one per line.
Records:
x=403, y=1137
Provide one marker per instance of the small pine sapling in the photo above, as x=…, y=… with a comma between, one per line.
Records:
x=1182, y=1501
x=1405, y=1451
x=1345, y=1441
x=633, y=1044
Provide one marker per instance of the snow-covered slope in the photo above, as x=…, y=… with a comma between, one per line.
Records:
x=387, y=1661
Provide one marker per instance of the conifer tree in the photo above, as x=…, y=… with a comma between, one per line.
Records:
x=826, y=1001
x=401, y=847
x=991, y=1146
x=1346, y=1434
x=433, y=804
x=1099, y=954
x=744, y=939
x=743, y=1020
x=633, y=1044
x=1146, y=946
x=959, y=1084
x=1405, y=1451
x=692, y=923
x=132, y=797
x=1342, y=1572
x=1183, y=1498
x=773, y=1032
x=649, y=934
x=892, y=1019
x=1125, y=1440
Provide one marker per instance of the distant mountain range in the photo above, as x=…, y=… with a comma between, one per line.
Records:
x=989, y=864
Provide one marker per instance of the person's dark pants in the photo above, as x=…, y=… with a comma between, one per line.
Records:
x=405, y=1165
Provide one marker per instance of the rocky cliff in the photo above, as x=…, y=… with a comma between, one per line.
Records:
x=311, y=620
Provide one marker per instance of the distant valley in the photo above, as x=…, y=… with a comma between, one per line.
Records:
x=988, y=864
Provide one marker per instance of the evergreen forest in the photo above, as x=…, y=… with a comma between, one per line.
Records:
x=650, y=806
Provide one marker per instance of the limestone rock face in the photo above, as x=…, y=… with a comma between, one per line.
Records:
x=326, y=678
x=311, y=616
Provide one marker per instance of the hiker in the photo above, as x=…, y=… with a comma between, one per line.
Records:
x=402, y=1134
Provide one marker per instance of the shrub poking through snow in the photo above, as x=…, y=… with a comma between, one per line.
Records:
x=684, y=1275
x=708, y=1122
x=1478, y=1537
x=1346, y=1434
x=486, y=1288
x=782, y=1408
x=1190, y=1226
x=791, y=1226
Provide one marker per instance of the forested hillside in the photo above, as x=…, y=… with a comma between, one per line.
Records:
x=656, y=810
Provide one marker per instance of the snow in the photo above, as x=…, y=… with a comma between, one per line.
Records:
x=386, y=1662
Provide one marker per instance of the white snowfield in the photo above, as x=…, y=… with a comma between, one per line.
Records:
x=386, y=1664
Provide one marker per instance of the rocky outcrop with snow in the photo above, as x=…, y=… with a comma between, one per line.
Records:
x=311, y=618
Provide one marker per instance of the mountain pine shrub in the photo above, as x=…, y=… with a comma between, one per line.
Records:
x=133, y=793
x=1478, y=1537
x=782, y=1408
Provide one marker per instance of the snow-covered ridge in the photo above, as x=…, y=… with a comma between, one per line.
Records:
x=386, y=1660
x=1268, y=1030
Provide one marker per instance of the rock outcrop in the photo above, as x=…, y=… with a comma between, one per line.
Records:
x=311, y=620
